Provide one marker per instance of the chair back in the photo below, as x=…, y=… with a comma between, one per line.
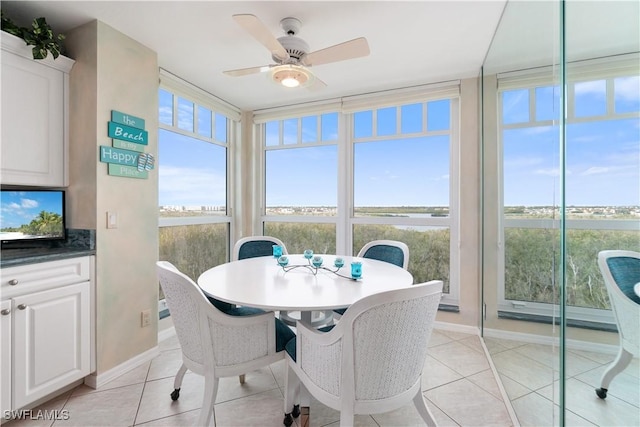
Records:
x=390, y=251
x=386, y=339
x=256, y=246
x=621, y=271
x=184, y=298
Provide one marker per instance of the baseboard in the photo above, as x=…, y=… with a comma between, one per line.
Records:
x=454, y=327
x=549, y=340
x=166, y=333
x=97, y=381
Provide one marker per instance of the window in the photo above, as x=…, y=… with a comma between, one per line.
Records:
x=402, y=162
x=193, y=154
x=334, y=181
x=301, y=172
x=602, y=190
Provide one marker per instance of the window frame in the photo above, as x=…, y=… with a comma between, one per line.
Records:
x=179, y=88
x=579, y=72
x=345, y=219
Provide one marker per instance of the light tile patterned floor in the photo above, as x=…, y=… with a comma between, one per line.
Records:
x=457, y=382
x=529, y=375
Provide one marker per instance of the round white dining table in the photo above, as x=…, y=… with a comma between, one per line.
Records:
x=260, y=282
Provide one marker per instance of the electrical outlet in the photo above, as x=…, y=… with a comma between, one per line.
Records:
x=145, y=318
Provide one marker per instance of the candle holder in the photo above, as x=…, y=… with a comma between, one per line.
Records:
x=315, y=264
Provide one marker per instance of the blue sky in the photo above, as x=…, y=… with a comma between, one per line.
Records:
x=20, y=207
x=602, y=152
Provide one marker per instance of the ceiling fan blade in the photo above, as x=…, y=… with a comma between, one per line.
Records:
x=355, y=48
x=316, y=84
x=246, y=71
x=260, y=32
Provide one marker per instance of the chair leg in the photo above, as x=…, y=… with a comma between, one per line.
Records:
x=210, y=392
x=304, y=417
x=177, y=382
x=347, y=416
x=423, y=409
x=291, y=396
x=622, y=361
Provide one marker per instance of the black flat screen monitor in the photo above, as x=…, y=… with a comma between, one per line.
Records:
x=31, y=217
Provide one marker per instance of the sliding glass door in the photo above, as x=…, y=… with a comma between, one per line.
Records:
x=561, y=177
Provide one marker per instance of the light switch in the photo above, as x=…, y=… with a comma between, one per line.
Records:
x=112, y=219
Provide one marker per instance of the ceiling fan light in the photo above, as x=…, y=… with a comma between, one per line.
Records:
x=291, y=75
x=290, y=81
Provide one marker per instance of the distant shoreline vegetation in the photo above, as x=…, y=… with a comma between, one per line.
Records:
x=546, y=212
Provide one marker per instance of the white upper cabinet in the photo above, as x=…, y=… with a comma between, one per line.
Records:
x=35, y=106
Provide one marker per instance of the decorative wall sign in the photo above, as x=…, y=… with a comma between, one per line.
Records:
x=127, y=119
x=118, y=156
x=127, y=171
x=145, y=162
x=128, y=133
x=128, y=145
x=126, y=157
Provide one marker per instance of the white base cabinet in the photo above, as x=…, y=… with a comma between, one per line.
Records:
x=5, y=355
x=49, y=328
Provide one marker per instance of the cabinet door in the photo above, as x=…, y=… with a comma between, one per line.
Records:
x=51, y=341
x=5, y=356
x=33, y=139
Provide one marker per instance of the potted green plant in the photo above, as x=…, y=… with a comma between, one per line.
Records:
x=40, y=36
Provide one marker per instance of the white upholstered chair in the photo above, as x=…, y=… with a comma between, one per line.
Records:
x=372, y=360
x=214, y=344
x=621, y=271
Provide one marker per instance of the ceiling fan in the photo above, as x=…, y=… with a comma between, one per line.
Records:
x=291, y=53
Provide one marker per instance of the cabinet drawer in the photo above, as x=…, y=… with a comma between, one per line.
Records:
x=22, y=279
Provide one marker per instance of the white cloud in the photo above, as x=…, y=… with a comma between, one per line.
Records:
x=595, y=170
x=386, y=175
x=28, y=203
x=548, y=172
x=595, y=87
x=628, y=88
x=522, y=162
x=585, y=138
x=539, y=130
x=188, y=186
x=165, y=114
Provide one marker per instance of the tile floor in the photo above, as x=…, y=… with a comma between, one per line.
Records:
x=529, y=375
x=458, y=384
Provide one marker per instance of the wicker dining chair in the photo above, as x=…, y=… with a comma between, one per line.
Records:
x=621, y=271
x=371, y=361
x=213, y=343
x=391, y=251
x=255, y=246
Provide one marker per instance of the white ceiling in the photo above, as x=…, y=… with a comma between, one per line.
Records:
x=411, y=43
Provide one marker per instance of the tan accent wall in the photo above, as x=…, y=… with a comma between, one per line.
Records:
x=115, y=72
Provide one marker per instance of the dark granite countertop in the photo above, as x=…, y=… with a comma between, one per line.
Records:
x=79, y=243
x=14, y=257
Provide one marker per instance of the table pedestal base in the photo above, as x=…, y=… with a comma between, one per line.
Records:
x=304, y=416
x=317, y=319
